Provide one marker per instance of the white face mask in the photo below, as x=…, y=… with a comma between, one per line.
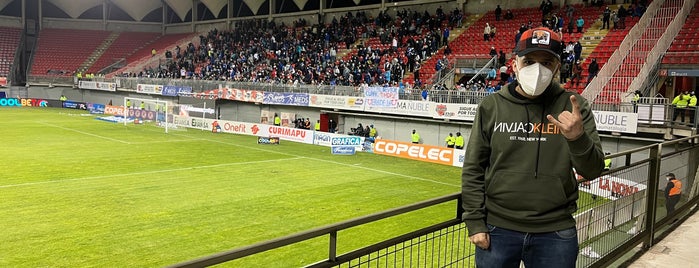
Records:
x=534, y=79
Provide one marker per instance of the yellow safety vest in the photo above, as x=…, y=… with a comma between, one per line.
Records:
x=416, y=137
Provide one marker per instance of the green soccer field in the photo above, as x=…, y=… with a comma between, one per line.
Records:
x=79, y=192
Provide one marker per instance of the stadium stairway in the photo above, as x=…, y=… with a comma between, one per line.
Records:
x=454, y=34
x=97, y=53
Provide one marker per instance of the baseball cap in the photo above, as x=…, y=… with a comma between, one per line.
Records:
x=539, y=39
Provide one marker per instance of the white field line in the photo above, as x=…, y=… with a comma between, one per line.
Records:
x=167, y=141
x=329, y=161
x=144, y=172
x=86, y=133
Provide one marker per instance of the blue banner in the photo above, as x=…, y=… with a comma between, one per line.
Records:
x=381, y=96
x=296, y=99
x=95, y=108
x=346, y=141
x=175, y=91
x=343, y=150
x=74, y=105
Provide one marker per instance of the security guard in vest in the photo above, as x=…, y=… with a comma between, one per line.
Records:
x=415, y=137
x=128, y=104
x=277, y=120
x=317, y=125
x=459, y=141
x=680, y=102
x=450, y=140
x=607, y=163
x=673, y=192
x=636, y=98
x=63, y=99
x=372, y=131
x=143, y=105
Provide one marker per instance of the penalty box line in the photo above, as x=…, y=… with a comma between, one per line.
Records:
x=330, y=161
x=146, y=172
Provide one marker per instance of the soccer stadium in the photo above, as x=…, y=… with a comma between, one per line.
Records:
x=250, y=133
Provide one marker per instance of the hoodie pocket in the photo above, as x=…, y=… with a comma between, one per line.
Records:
x=517, y=195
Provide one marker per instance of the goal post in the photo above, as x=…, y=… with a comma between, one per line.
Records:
x=140, y=109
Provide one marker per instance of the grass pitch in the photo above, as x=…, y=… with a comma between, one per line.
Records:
x=78, y=192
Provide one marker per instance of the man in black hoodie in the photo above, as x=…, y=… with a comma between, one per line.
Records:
x=518, y=186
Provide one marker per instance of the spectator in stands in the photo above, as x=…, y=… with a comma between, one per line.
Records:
x=565, y=71
x=445, y=36
x=504, y=76
x=622, y=13
x=592, y=70
x=577, y=74
x=486, y=32
x=580, y=23
x=331, y=126
x=577, y=49
x=615, y=20
x=502, y=58
x=492, y=74
x=153, y=52
x=492, y=33
x=509, y=15
x=570, y=11
x=606, y=16
x=639, y=10
x=518, y=34
x=498, y=13
x=495, y=180
x=571, y=25
x=680, y=102
x=493, y=52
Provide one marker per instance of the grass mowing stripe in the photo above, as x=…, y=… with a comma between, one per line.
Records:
x=145, y=172
x=334, y=162
x=83, y=132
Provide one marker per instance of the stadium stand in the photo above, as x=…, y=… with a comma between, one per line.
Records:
x=123, y=46
x=56, y=53
x=9, y=41
x=685, y=48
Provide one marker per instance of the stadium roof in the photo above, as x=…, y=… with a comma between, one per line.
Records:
x=138, y=9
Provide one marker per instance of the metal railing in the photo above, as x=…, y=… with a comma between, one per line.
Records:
x=609, y=226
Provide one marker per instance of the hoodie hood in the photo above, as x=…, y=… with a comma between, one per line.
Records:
x=552, y=91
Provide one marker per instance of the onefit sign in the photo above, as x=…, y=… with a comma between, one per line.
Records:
x=420, y=152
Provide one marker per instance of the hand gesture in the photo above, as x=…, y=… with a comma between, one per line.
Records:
x=482, y=240
x=570, y=123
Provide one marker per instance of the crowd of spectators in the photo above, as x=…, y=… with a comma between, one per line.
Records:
x=261, y=51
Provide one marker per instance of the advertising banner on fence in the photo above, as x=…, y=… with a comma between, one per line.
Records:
x=616, y=121
x=419, y=152
x=149, y=89
x=268, y=140
x=381, y=96
x=454, y=111
x=405, y=107
x=5, y=102
x=97, y=85
x=75, y=105
x=175, y=91
x=337, y=102
x=296, y=99
x=611, y=187
x=95, y=108
x=333, y=139
x=114, y=110
x=254, y=129
x=142, y=114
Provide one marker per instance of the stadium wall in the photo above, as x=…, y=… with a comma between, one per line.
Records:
x=7, y=21
x=118, y=26
x=388, y=127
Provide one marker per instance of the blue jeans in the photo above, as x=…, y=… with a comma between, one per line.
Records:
x=508, y=248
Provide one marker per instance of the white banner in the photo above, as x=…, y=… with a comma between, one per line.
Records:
x=149, y=89
x=454, y=111
x=253, y=129
x=337, y=102
x=616, y=121
x=405, y=107
x=611, y=187
x=97, y=85
x=325, y=139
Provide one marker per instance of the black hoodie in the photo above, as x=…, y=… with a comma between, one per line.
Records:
x=518, y=168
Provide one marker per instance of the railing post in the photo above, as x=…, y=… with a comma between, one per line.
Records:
x=652, y=193
x=332, y=246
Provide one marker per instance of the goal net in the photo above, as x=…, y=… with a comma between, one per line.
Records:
x=148, y=111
